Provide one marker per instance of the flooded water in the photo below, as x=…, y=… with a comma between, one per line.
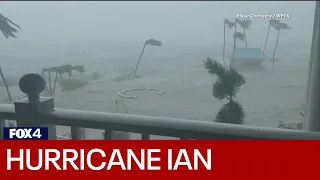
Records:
x=269, y=95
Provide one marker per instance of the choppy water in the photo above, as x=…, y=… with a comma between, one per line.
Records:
x=190, y=32
x=270, y=94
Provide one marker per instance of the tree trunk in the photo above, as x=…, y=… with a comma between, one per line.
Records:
x=265, y=44
x=234, y=42
x=275, y=48
x=135, y=71
x=224, y=41
x=49, y=83
x=61, y=77
x=55, y=82
x=232, y=104
x=5, y=84
x=245, y=37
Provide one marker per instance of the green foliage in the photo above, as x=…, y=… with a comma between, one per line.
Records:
x=273, y=22
x=153, y=42
x=239, y=35
x=6, y=27
x=281, y=26
x=245, y=24
x=226, y=86
x=232, y=113
x=229, y=23
x=228, y=82
x=276, y=24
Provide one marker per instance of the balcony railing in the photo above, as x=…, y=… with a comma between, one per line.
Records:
x=37, y=111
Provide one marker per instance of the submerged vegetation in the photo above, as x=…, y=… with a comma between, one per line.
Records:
x=66, y=84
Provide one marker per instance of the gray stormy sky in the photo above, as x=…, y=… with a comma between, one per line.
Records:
x=50, y=27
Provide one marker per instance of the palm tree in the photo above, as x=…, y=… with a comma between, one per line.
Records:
x=61, y=70
x=226, y=87
x=278, y=27
x=230, y=25
x=79, y=68
x=151, y=42
x=240, y=36
x=8, y=28
x=245, y=24
x=272, y=22
x=237, y=21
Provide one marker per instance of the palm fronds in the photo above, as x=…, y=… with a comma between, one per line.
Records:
x=237, y=21
x=8, y=31
x=228, y=82
x=278, y=26
x=213, y=67
x=226, y=86
x=79, y=68
x=282, y=26
x=229, y=23
x=245, y=24
x=273, y=21
x=239, y=35
x=153, y=42
x=232, y=112
x=6, y=27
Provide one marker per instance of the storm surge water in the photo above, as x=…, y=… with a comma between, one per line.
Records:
x=189, y=31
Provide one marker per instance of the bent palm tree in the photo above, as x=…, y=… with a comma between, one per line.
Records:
x=240, y=36
x=151, y=42
x=230, y=25
x=245, y=24
x=226, y=86
x=79, y=68
x=237, y=21
x=58, y=70
x=278, y=27
x=8, y=28
x=272, y=22
x=61, y=70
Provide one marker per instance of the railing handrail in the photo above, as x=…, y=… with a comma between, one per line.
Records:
x=191, y=129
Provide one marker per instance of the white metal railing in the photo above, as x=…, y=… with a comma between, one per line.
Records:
x=36, y=111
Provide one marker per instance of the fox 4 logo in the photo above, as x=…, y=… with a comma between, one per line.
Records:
x=25, y=133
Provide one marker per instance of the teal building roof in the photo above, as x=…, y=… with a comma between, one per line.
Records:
x=254, y=54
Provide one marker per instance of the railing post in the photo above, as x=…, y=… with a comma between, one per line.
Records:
x=29, y=109
x=314, y=32
x=313, y=104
